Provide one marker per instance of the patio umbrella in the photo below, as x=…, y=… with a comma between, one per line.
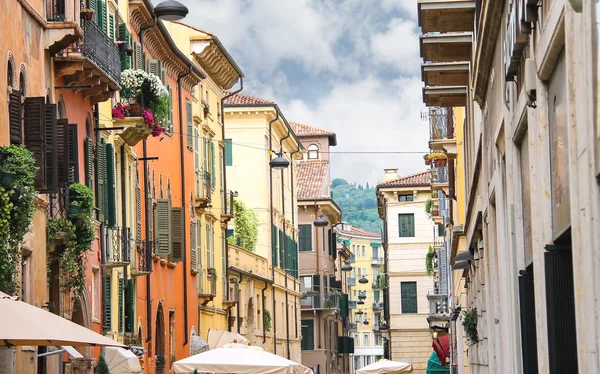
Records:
x=239, y=359
x=122, y=361
x=384, y=366
x=434, y=366
x=25, y=324
x=218, y=338
x=441, y=346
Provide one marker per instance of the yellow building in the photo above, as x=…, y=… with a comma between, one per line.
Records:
x=258, y=133
x=205, y=138
x=366, y=298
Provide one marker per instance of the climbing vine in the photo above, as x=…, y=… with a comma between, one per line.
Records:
x=77, y=234
x=246, y=226
x=267, y=320
x=470, y=326
x=429, y=261
x=17, y=196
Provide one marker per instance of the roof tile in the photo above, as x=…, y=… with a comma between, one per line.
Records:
x=245, y=99
x=414, y=180
x=359, y=232
x=312, y=179
x=302, y=129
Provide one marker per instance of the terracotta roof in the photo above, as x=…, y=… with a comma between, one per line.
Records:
x=414, y=180
x=193, y=28
x=245, y=99
x=302, y=129
x=312, y=179
x=359, y=232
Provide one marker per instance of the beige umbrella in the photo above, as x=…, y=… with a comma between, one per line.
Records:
x=218, y=338
x=25, y=324
x=384, y=366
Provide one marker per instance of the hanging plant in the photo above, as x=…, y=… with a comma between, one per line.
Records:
x=16, y=210
x=212, y=272
x=267, y=320
x=438, y=159
x=246, y=226
x=429, y=261
x=470, y=326
x=428, y=205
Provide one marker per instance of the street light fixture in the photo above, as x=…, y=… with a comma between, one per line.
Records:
x=346, y=266
x=279, y=162
x=321, y=221
x=170, y=10
x=363, y=280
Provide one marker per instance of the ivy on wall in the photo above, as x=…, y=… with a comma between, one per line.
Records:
x=246, y=226
x=267, y=320
x=470, y=326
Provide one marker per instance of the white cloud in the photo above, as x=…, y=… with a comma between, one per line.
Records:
x=398, y=46
x=408, y=6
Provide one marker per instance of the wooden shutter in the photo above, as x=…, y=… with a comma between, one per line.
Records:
x=138, y=56
x=35, y=137
x=274, y=244
x=197, y=176
x=162, y=221
x=62, y=151
x=177, y=237
x=107, y=303
x=193, y=247
x=528, y=322
x=199, y=254
x=123, y=33
x=212, y=164
x=101, y=191
x=111, y=26
x=125, y=61
x=120, y=307
x=92, y=6
x=138, y=210
x=308, y=334
x=209, y=262
x=305, y=238
x=73, y=174
x=281, y=250
x=101, y=18
x=190, y=131
x=88, y=149
x=316, y=281
x=153, y=67
x=333, y=236
x=163, y=75
x=409, y=297
x=406, y=225
x=111, y=186
x=411, y=225
x=228, y=153
x=129, y=307
x=15, y=115
x=51, y=151
x=170, y=125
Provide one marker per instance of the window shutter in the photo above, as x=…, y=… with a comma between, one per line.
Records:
x=281, y=250
x=120, y=307
x=92, y=6
x=329, y=244
x=308, y=334
x=162, y=221
x=316, y=281
x=333, y=236
x=190, y=131
x=111, y=26
x=111, y=186
x=193, y=255
x=15, y=118
x=129, y=306
x=208, y=256
x=125, y=61
x=73, y=154
x=170, y=124
x=107, y=303
x=123, y=32
x=177, y=238
x=101, y=15
x=138, y=210
x=35, y=137
x=274, y=244
x=212, y=164
x=197, y=162
x=62, y=151
x=138, y=56
x=411, y=225
x=89, y=162
x=101, y=180
x=305, y=237
x=228, y=153
x=163, y=74
x=528, y=322
x=153, y=67
x=199, y=254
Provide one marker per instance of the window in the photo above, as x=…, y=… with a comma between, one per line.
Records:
x=305, y=284
x=376, y=296
x=308, y=335
x=409, y=297
x=305, y=238
x=364, y=251
x=409, y=197
x=406, y=225
x=378, y=340
x=366, y=340
x=313, y=152
x=96, y=294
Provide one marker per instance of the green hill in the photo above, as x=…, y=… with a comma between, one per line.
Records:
x=358, y=203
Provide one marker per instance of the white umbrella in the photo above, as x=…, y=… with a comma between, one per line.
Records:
x=239, y=359
x=384, y=366
x=122, y=361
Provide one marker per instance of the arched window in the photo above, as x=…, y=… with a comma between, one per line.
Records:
x=313, y=152
x=10, y=72
x=62, y=110
x=88, y=127
x=22, y=83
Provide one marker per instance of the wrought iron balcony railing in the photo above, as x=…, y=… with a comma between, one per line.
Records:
x=352, y=304
x=58, y=204
x=321, y=301
x=439, y=174
x=377, y=261
x=377, y=305
x=351, y=281
x=55, y=10
x=353, y=326
x=101, y=50
x=441, y=123
x=118, y=246
x=144, y=261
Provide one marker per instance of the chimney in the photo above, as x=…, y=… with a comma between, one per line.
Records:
x=390, y=174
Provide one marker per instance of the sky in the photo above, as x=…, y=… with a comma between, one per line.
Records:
x=351, y=66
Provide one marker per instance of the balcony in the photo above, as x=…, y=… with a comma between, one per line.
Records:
x=378, y=282
x=143, y=263
x=377, y=261
x=439, y=177
x=377, y=305
x=204, y=193
x=450, y=47
x=118, y=246
x=63, y=26
x=446, y=15
x=351, y=304
x=351, y=281
x=316, y=301
x=445, y=73
x=438, y=306
x=58, y=204
x=353, y=327
x=445, y=96
x=91, y=65
x=211, y=287
x=441, y=130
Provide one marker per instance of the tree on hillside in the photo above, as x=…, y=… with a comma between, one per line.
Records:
x=359, y=205
x=338, y=182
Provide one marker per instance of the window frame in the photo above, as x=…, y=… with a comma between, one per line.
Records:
x=404, y=198
x=310, y=150
x=407, y=309
x=408, y=234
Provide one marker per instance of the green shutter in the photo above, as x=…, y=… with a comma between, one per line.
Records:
x=130, y=307
x=162, y=232
x=212, y=165
x=120, y=308
x=177, y=237
x=228, y=153
x=208, y=256
x=205, y=151
x=199, y=254
x=274, y=244
x=125, y=61
x=409, y=297
x=406, y=225
x=89, y=162
x=101, y=199
x=305, y=238
x=189, y=122
x=281, y=250
x=197, y=176
x=107, y=303
x=170, y=124
x=124, y=33
x=193, y=247
x=101, y=6
x=111, y=186
x=111, y=26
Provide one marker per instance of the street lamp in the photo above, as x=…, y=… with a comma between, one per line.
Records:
x=363, y=280
x=346, y=266
x=279, y=162
x=321, y=221
x=170, y=10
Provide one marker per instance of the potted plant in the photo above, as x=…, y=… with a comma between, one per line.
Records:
x=427, y=160
x=470, y=326
x=87, y=14
x=212, y=273
x=429, y=260
x=435, y=212
x=428, y=205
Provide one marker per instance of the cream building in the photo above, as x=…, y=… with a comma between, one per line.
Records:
x=366, y=299
x=408, y=233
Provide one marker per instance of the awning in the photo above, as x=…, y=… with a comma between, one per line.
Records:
x=375, y=244
x=218, y=338
x=122, y=361
x=460, y=265
x=463, y=256
x=385, y=366
x=25, y=324
x=434, y=366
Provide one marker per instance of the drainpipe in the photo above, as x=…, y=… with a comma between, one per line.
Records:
x=285, y=265
x=263, y=305
x=102, y=237
x=180, y=76
x=293, y=238
x=274, y=317
x=226, y=249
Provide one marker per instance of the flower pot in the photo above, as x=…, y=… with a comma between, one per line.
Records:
x=87, y=14
x=74, y=210
x=435, y=213
x=129, y=52
x=427, y=161
x=7, y=179
x=440, y=163
x=135, y=110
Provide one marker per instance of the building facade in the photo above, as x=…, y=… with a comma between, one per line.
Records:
x=409, y=234
x=528, y=85
x=366, y=298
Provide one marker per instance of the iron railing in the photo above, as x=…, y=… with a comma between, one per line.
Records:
x=55, y=10
x=118, y=245
x=351, y=304
x=377, y=305
x=58, y=204
x=439, y=174
x=351, y=281
x=101, y=50
x=144, y=247
x=441, y=123
x=377, y=261
x=353, y=326
x=321, y=301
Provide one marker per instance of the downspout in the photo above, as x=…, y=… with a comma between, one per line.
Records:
x=180, y=76
x=226, y=249
x=274, y=317
x=285, y=268
x=292, y=164
x=263, y=304
x=102, y=236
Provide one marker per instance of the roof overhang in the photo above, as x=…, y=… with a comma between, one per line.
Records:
x=326, y=205
x=450, y=47
x=446, y=15
x=209, y=54
x=445, y=96
x=445, y=74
